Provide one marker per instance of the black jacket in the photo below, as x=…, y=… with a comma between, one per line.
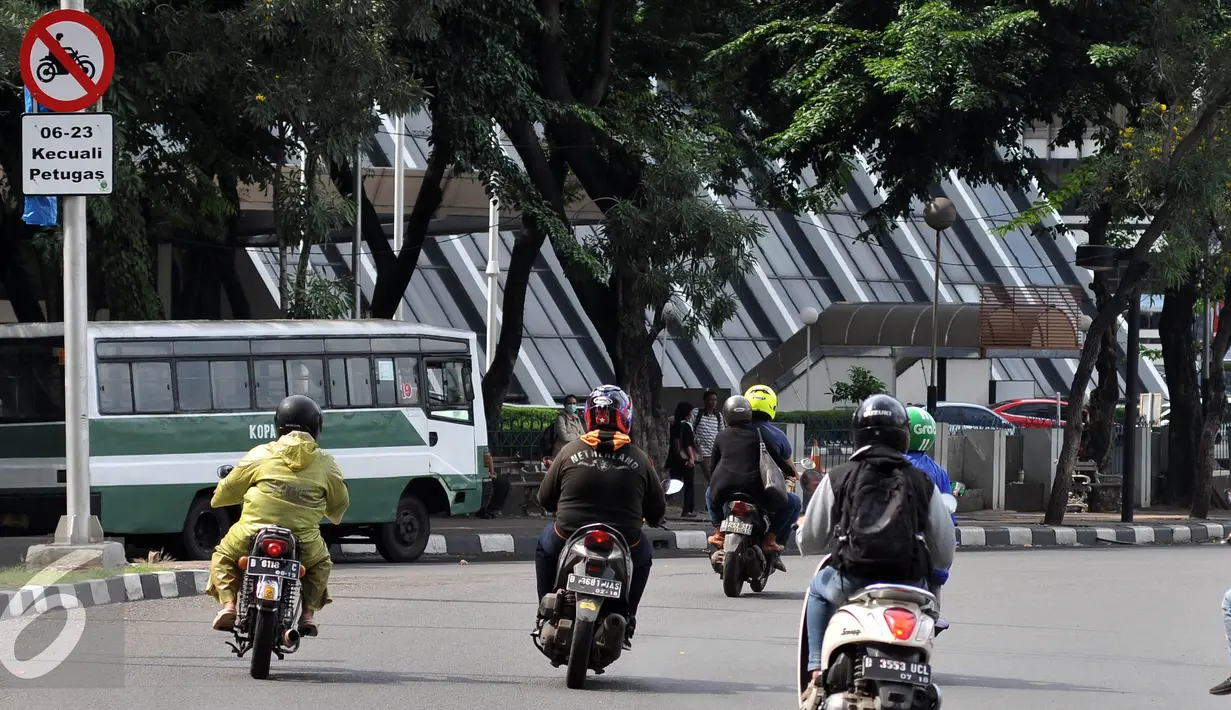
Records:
x=603, y=478
x=735, y=464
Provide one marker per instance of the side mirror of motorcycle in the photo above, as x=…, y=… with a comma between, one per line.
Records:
x=949, y=501
x=807, y=464
x=224, y=471
x=673, y=486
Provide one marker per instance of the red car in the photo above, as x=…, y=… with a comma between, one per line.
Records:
x=1030, y=413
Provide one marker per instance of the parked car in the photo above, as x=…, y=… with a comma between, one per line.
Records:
x=962, y=415
x=1030, y=413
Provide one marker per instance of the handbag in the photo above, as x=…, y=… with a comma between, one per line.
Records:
x=771, y=476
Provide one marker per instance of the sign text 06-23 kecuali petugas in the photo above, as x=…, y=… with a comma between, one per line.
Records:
x=67, y=153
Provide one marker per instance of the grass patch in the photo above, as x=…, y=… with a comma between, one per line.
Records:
x=15, y=577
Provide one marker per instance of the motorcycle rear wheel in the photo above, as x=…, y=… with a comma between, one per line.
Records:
x=733, y=570
x=263, y=632
x=579, y=654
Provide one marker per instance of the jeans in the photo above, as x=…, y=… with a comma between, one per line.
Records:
x=1226, y=617
x=547, y=557
x=829, y=590
x=780, y=521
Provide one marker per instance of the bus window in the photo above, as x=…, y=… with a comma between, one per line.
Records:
x=448, y=395
x=31, y=381
x=386, y=384
x=269, y=376
x=359, y=381
x=306, y=377
x=152, y=388
x=192, y=379
x=115, y=388
x=408, y=381
x=229, y=384
x=338, y=398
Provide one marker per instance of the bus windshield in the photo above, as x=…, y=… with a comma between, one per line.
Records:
x=31, y=381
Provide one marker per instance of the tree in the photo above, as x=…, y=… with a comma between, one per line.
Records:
x=863, y=384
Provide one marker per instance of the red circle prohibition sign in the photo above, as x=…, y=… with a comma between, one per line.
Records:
x=92, y=89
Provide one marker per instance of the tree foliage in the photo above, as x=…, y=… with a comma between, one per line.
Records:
x=862, y=384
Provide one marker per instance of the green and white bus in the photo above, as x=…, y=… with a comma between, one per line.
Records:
x=172, y=402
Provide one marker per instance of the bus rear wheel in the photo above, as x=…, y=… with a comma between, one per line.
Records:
x=203, y=529
x=405, y=539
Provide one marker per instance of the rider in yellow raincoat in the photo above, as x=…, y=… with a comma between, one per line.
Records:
x=291, y=483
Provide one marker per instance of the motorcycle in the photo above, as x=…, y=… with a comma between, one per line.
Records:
x=877, y=650
x=49, y=67
x=582, y=623
x=269, y=603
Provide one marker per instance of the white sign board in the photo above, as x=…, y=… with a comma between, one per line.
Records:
x=67, y=154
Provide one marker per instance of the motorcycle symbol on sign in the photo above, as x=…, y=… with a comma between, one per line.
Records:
x=49, y=67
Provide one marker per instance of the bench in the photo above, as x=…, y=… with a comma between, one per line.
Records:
x=1101, y=490
x=524, y=475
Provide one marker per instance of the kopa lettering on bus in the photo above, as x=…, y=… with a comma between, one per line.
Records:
x=261, y=432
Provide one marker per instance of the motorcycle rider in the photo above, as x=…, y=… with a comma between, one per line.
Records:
x=602, y=477
x=735, y=466
x=922, y=439
x=882, y=516
x=292, y=483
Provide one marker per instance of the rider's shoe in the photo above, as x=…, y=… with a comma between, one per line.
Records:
x=770, y=543
x=941, y=625
x=779, y=564
x=1223, y=688
x=718, y=537
x=225, y=620
x=629, y=629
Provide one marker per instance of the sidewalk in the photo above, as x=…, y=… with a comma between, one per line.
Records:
x=515, y=538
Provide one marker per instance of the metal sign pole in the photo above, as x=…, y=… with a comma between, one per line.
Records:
x=355, y=243
x=399, y=197
x=76, y=528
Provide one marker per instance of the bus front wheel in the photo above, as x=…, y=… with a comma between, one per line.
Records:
x=203, y=529
x=405, y=539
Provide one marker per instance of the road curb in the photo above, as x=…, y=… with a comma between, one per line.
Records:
x=171, y=584
x=688, y=543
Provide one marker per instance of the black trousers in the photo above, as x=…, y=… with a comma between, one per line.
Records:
x=500, y=493
x=687, y=474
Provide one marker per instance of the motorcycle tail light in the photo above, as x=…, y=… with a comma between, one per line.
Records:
x=739, y=508
x=901, y=623
x=599, y=541
x=274, y=548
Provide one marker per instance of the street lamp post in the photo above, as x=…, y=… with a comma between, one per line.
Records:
x=940, y=214
x=809, y=316
x=1099, y=257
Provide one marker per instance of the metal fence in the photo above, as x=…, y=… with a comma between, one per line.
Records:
x=520, y=433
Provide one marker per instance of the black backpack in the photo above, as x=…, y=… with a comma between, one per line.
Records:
x=880, y=524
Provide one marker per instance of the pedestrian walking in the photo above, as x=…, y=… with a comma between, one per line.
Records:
x=682, y=456
x=706, y=423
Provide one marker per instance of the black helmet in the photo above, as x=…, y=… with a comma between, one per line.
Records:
x=737, y=409
x=881, y=419
x=298, y=413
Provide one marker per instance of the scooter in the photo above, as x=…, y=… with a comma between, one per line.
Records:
x=877, y=650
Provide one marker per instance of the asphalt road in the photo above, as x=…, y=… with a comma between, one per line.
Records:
x=1091, y=629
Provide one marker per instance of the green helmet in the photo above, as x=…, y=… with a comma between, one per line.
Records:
x=922, y=429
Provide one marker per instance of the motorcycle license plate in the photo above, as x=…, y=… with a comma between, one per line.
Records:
x=737, y=526
x=607, y=588
x=288, y=569
x=894, y=671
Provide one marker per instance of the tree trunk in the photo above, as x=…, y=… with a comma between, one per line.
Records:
x=373, y=232
x=308, y=237
x=547, y=174
x=1215, y=408
x=1184, y=429
x=639, y=374
x=391, y=286
x=508, y=347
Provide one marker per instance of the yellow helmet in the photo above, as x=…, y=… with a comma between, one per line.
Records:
x=762, y=400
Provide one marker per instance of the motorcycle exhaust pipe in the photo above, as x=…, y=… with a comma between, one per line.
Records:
x=290, y=639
